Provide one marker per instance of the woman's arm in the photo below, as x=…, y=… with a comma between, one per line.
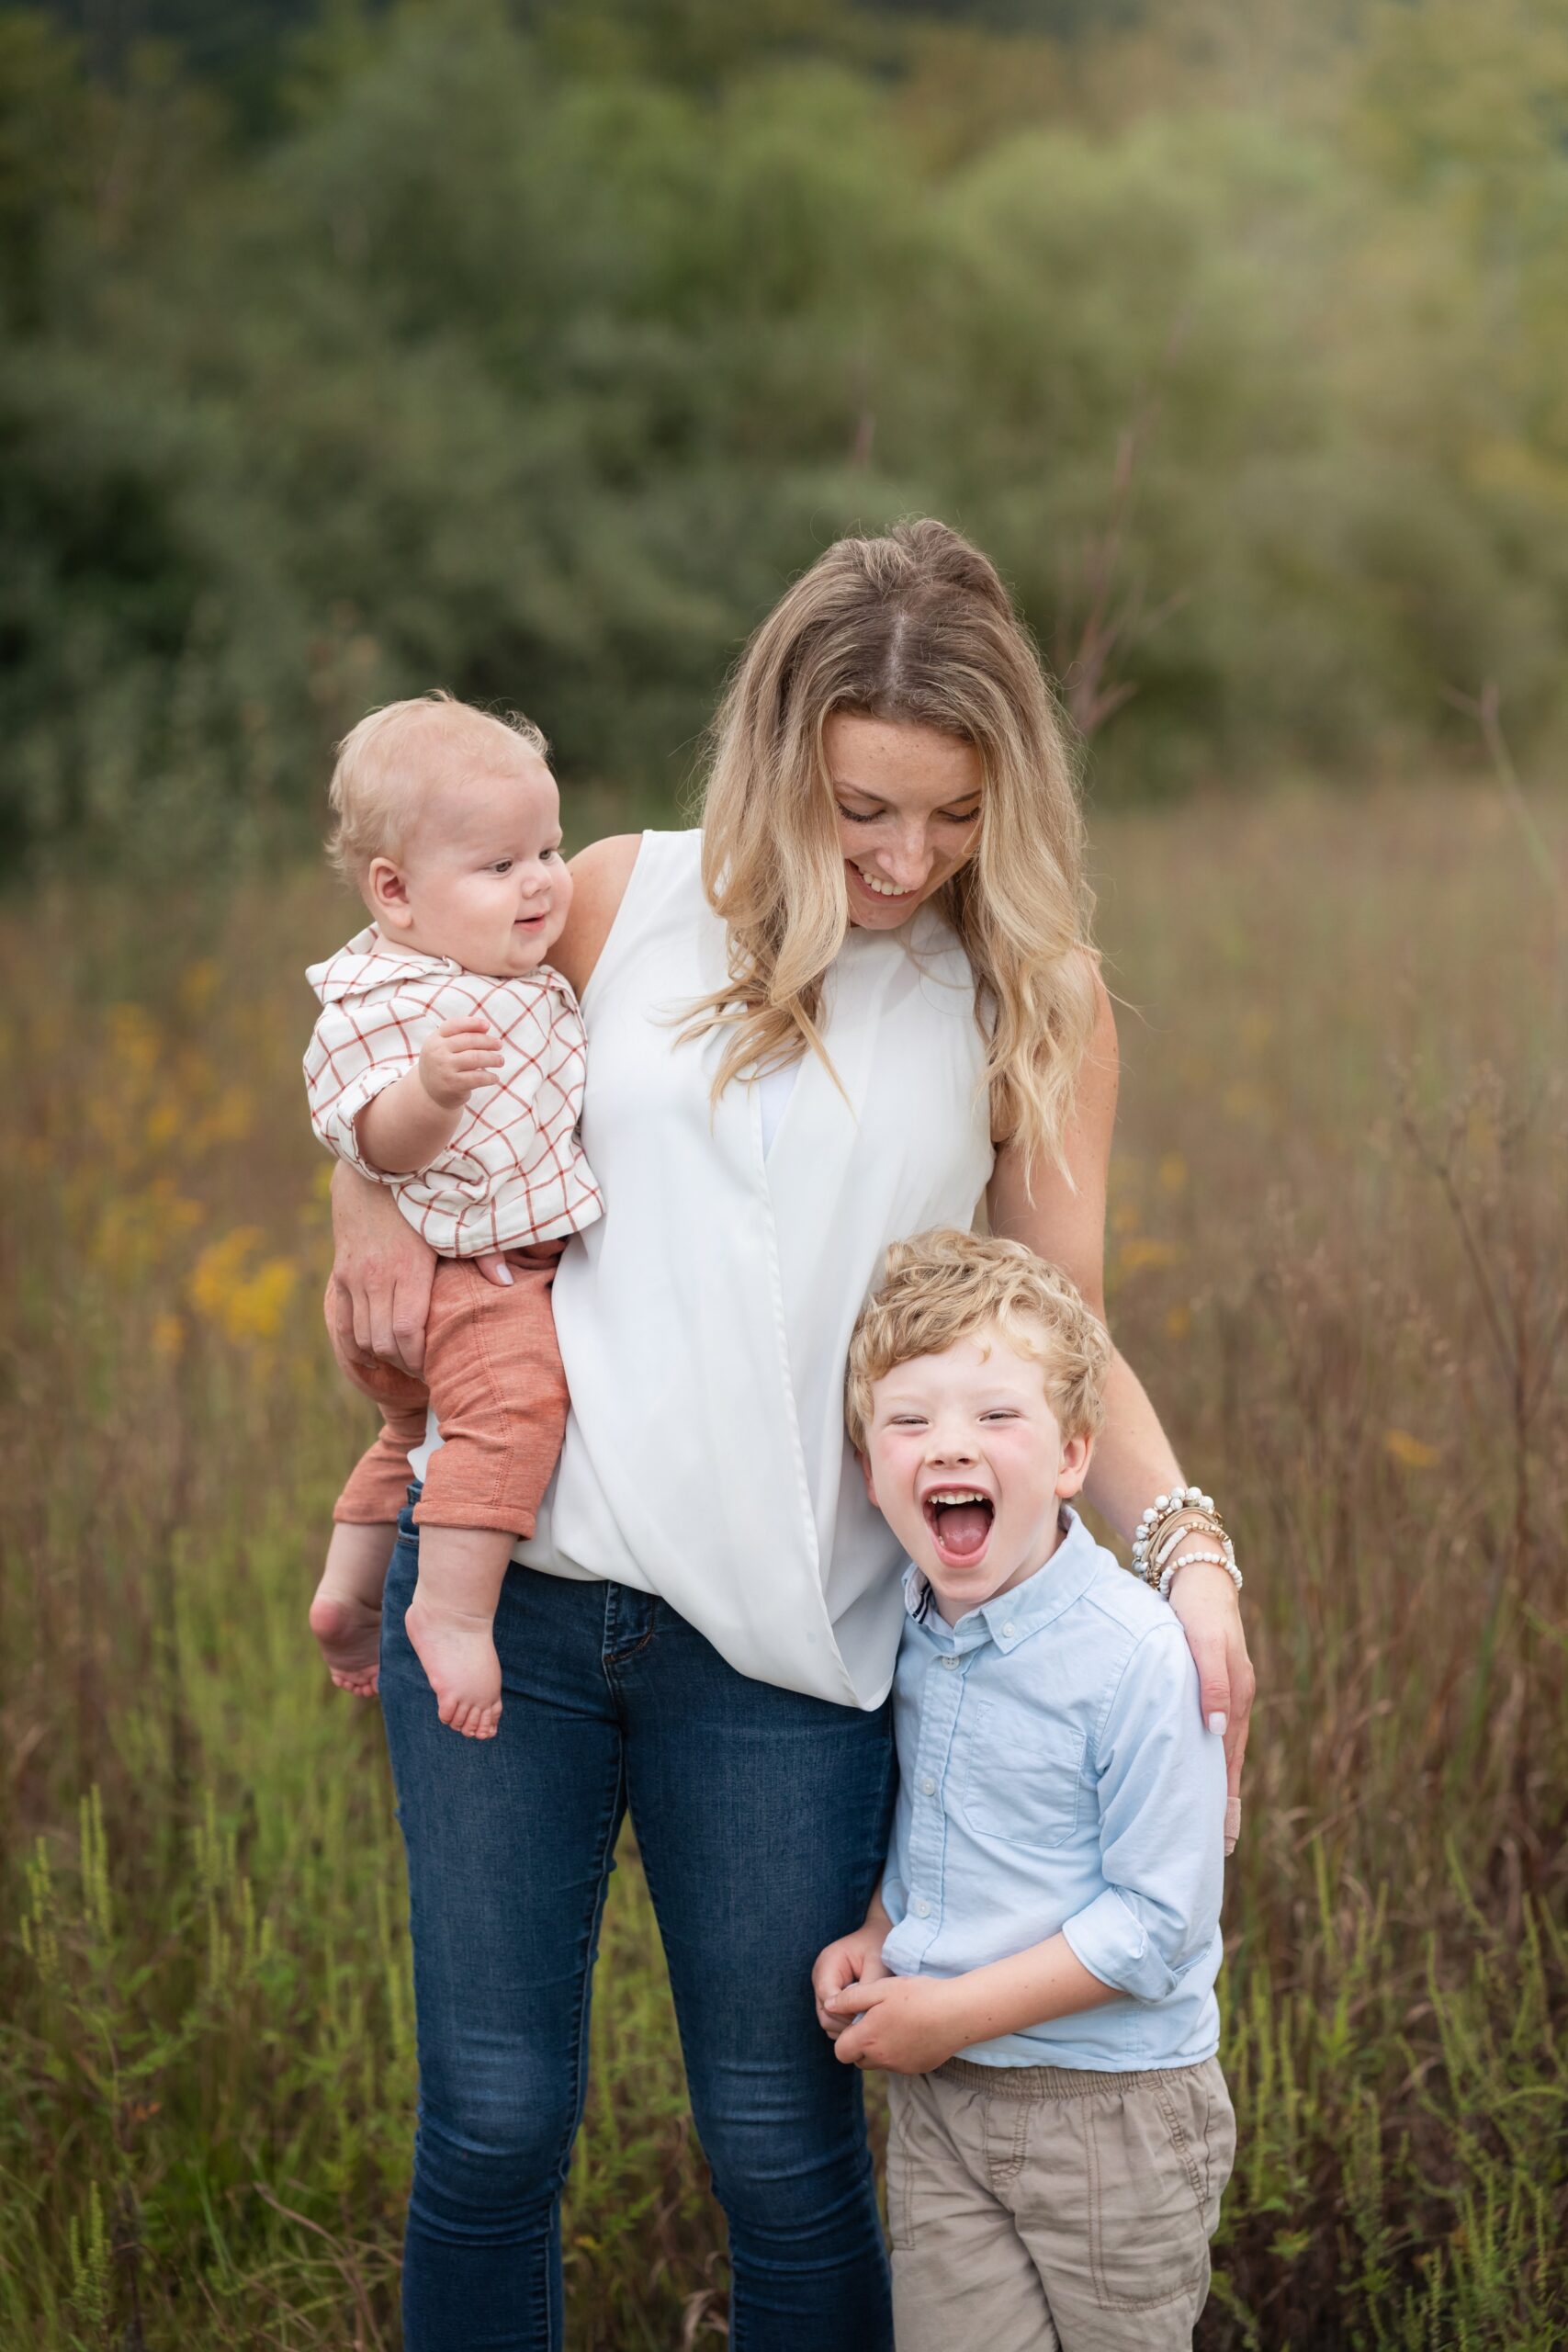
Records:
x=382, y=1270
x=599, y=877
x=1132, y=1460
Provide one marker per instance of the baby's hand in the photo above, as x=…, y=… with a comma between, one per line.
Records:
x=461, y=1056
x=854, y=1959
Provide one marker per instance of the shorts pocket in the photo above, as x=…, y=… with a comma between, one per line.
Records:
x=900, y=2172
x=1035, y=1796
x=1148, y=2231
x=1212, y=2102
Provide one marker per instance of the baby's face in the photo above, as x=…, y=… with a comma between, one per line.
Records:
x=483, y=878
x=966, y=1462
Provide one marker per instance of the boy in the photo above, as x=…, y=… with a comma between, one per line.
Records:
x=1051, y=1902
x=448, y=1063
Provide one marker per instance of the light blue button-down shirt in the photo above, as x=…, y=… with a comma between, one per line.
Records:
x=1054, y=1774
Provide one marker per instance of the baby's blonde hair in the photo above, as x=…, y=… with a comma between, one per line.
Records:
x=387, y=763
x=944, y=1286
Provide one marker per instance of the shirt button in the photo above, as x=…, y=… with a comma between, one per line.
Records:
x=922, y=1908
x=1007, y=1632
x=928, y=1786
x=950, y=1661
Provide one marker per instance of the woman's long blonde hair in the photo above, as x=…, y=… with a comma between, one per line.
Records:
x=916, y=627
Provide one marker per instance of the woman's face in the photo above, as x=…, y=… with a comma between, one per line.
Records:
x=908, y=810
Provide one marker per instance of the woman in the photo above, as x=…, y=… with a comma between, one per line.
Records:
x=863, y=998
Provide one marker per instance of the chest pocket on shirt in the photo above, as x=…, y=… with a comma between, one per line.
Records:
x=1023, y=1780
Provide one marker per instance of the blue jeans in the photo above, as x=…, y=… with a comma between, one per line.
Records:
x=762, y=1818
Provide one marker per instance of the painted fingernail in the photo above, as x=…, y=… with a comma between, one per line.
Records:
x=1217, y=1726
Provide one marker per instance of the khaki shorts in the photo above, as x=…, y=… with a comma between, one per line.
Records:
x=1036, y=2206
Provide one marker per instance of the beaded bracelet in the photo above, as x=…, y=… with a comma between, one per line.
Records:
x=1171, y=1520
x=1188, y=1559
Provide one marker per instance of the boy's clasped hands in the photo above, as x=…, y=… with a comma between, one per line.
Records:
x=908, y=2024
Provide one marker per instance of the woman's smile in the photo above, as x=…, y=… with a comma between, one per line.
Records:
x=875, y=882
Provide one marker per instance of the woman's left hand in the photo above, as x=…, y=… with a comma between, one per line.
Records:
x=1207, y=1603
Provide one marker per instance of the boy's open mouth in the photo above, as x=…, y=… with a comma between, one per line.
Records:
x=960, y=1522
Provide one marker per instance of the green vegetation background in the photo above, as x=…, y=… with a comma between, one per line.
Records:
x=529, y=348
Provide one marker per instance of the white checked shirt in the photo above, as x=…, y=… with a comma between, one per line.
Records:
x=513, y=1171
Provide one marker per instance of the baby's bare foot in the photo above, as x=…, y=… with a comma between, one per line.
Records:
x=457, y=1654
x=349, y=1633
x=345, y=1616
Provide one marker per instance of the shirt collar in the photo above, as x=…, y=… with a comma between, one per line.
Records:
x=369, y=960
x=1008, y=1618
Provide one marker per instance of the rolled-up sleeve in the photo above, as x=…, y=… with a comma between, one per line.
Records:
x=344, y=1070
x=1162, y=1797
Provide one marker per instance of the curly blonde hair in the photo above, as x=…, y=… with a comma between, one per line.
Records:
x=948, y=1286
x=916, y=628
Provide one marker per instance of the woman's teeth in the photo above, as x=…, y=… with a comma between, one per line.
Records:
x=882, y=889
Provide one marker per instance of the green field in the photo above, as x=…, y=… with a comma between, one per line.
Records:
x=1336, y=1255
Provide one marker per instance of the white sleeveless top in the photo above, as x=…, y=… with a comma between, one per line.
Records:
x=705, y=1320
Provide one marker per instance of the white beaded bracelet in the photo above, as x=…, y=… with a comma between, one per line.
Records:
x=1186, y=1514
x=1183, y=1500
x=1189, y=1560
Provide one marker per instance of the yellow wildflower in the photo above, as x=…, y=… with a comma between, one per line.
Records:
x=1142, y=1253
x=245, y=1302
x=168, y=1338
x=198, y=983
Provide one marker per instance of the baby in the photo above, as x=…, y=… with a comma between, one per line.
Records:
x=447, y=1063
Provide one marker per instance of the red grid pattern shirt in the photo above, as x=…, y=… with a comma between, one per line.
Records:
x=513, y=1171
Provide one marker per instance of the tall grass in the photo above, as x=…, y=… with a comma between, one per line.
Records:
x=1336, y=1253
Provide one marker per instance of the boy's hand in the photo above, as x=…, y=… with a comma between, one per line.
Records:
x=908, y=2024
x=461, y=1056
x=854, y=1959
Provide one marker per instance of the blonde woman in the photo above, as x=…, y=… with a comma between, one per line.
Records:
x=861, y=1001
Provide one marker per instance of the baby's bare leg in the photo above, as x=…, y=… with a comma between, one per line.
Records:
x=451, y=1619
x=345, y=1616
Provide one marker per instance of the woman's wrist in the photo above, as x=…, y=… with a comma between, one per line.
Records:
x=382, y=1272
x=1181, y=1528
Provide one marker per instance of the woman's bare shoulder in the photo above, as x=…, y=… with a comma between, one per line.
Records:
x=599, y=878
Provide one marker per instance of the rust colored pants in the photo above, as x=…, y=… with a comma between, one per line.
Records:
x=494, y=1374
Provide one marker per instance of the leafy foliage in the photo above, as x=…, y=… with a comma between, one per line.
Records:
x=531, y=352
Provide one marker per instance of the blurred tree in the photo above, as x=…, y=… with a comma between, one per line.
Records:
x=44, y=148
x=529, y=351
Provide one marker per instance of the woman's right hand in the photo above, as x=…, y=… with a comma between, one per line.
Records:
x=381, y=1276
